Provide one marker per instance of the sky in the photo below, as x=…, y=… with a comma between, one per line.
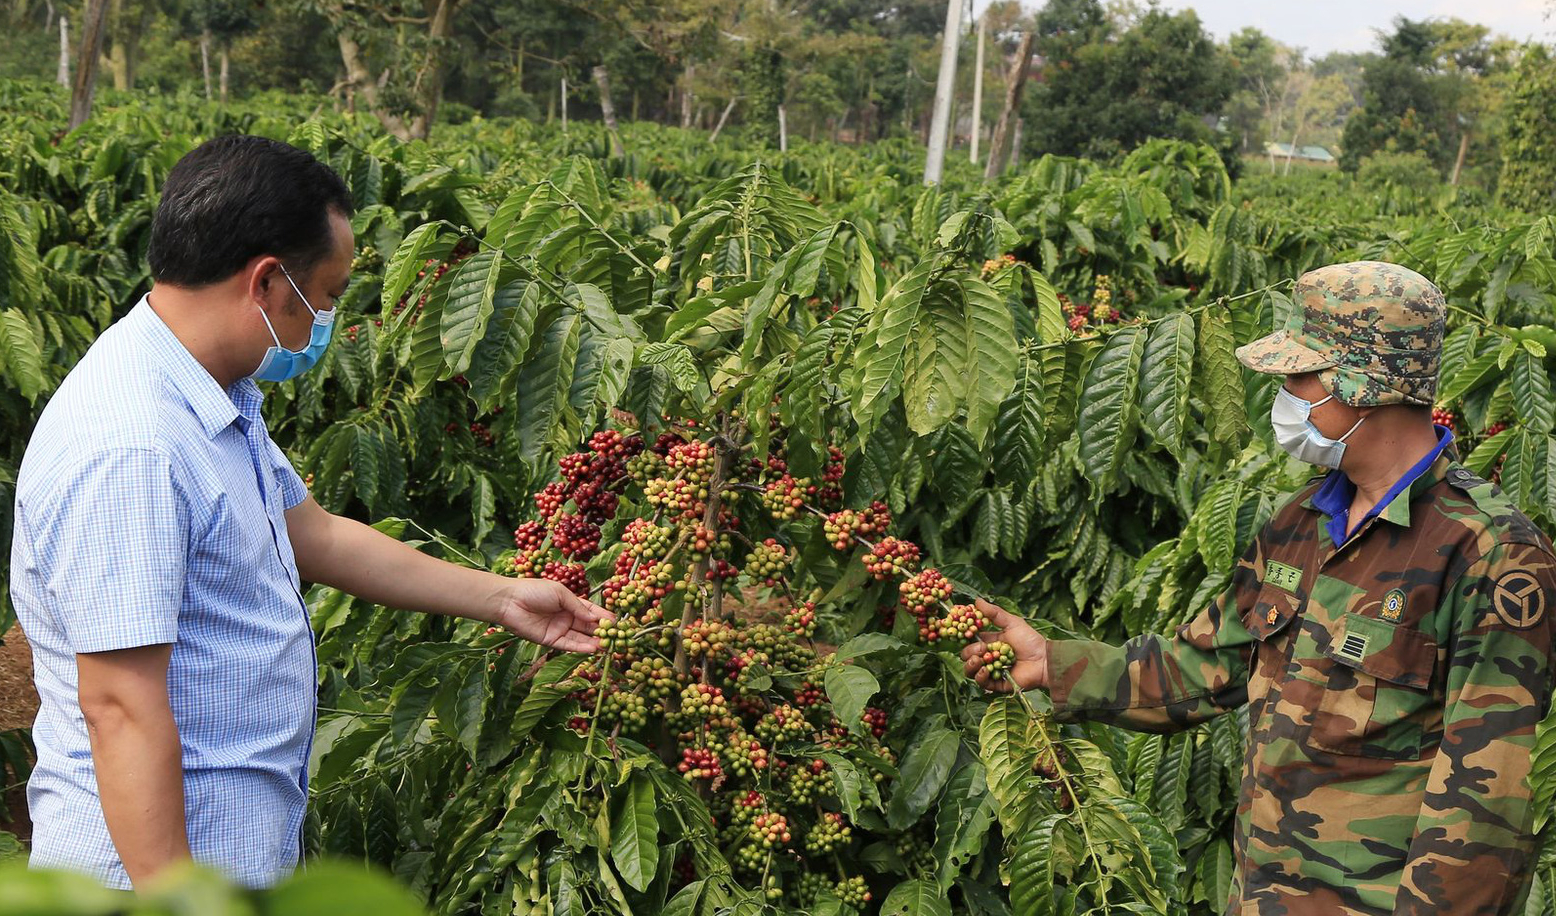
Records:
x=1321, y=26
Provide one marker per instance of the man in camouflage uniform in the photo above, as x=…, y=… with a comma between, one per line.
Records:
x=1394, y=667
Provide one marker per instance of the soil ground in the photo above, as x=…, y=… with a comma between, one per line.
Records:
x=18, y=705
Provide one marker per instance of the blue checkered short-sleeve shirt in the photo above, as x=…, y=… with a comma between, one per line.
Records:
x=150, y=510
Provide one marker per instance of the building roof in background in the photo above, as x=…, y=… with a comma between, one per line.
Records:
x=1314, y=153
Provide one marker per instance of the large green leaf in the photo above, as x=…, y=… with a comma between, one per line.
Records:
x=468, y=307
x=424, y=242
x=880, y=354
x=1532, y=393
x=850, y=688
x=916, y=897
x=635, y=834
x=926, y=765
x=544, y=381
x=1221, y=379
x=21, y=355
x=991, y=356
x=1106, y=423
x=1165, y=374
x=507, y=337
x=934, y=381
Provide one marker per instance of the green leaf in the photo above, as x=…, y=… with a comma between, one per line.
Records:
x=1481, y=370
x=543, y=384
x=880, y=354
x=676, y=359
x=1532, y=393
x=916, y=897
x=991, y=356
x=1006, y=747
x=925, y=768
x=1032, y=868
x=635, y=834
x=21, y=355
x=962, y=822
x=1106, y=421
x=850, y=688
x=468, y=307
x=934, y=381
x=1221, y=379
x=507, y=337
x=1165, y=373
x=423, y=242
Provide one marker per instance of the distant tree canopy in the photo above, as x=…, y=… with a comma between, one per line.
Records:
x=1103, y=92
x=1528, y=154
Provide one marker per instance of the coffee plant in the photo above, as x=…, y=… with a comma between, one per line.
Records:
x=788, y=415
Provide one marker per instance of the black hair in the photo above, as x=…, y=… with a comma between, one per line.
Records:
x=236, y=197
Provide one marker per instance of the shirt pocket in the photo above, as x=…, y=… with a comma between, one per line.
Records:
x=1379, y=692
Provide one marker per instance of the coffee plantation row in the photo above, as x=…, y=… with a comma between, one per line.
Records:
x=788, y=416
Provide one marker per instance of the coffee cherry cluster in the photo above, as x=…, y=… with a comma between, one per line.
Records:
x=747, y=757
x=995, y=265
x=784, y=723
x=961, y=625
x=700, y=763
x=630, y=709
x=998, y=660
x=807, y=781
x=875, y=720
x=529, y=536
x=784, y=498
x=801, y=621
x=767, y=562
x=921, y=594
x=703, y=701
x=829, y=834
x=575, y=537
x=1442, y=416
x=769, y=830
x=528, y=564
x=646, y=539
x=616, y=635
x=571, y=575
x=653, y=676
x=891, y=557
x=852, y=891
x=844, y=525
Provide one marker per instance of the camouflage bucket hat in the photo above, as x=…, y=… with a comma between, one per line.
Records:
x=1373, y=332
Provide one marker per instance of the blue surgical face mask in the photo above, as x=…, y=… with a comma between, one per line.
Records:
x=1294, y=430
x=279, y=363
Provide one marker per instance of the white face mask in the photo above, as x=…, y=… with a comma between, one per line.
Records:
x=1299, y=437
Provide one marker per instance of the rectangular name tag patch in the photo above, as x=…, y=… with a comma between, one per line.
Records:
x=1282, y=576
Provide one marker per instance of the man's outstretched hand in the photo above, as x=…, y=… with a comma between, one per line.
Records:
x=545, y=612
x=1031, y=668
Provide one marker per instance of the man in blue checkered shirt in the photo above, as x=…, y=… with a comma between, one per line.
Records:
x=161, y=542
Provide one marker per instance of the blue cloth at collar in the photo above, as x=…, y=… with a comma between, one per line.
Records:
x=1334, y=497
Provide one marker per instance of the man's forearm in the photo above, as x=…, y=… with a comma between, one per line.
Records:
x=367, y=563
x=140, y=780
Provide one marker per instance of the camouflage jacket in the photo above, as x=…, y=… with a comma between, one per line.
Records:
x=1393, y=686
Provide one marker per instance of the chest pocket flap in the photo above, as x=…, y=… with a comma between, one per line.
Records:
x=1389, y=652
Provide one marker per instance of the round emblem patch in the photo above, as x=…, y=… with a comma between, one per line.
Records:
x=1519, y=600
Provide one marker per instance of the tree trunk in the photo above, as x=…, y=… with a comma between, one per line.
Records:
x=564, y=106
x=723, y=118
x=602, y=79
x=635, y=104
x=223, y=79
x=63, y=74
x=945, y=89
x=1292, y=151
x=977, y=105
x=1015, y=145
x=1458, y=163
x=427, y=89
x=687, y=99
x=85, y=85
x=361, y=80
x=1015, y=84
x=783, y=131
x=205, y=60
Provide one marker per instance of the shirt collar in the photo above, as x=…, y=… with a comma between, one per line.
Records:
x=1334, y=495
x=215, y=408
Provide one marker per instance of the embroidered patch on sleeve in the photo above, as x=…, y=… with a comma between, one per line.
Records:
x=1519, y=600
